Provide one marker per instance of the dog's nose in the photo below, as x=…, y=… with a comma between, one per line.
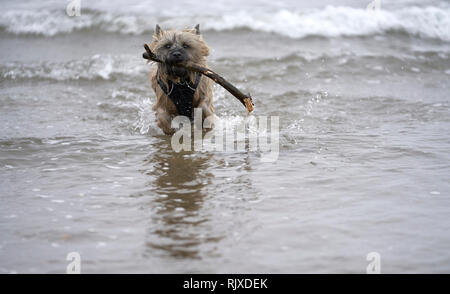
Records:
x=176, y=56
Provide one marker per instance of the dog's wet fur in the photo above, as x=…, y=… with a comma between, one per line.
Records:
x=173, y=46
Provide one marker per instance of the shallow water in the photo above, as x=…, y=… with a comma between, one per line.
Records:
x=363, y=164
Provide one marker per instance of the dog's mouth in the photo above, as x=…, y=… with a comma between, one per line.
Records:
x=174, y=57
x=177, y=71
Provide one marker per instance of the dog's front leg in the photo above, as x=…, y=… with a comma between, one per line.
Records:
x=206, y=112
x=164, y=120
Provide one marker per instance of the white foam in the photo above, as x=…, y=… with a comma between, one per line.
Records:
x=430, y=22
x=96, y=67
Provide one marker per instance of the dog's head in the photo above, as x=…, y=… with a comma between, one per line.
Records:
x=174, y=47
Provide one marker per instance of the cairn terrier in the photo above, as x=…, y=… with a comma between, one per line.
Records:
x=178, y=91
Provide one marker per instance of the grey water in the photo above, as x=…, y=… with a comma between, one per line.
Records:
x=363, y=104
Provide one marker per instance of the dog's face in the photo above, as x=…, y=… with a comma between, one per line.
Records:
x=179, y=46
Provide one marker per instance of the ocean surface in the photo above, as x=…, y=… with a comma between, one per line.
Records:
x=363, y=103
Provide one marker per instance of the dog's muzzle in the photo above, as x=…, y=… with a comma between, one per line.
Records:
x=176, y=56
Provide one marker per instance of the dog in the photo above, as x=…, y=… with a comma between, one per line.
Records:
x=178, y=91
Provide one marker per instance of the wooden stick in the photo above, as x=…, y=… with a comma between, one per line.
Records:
x=246, y=100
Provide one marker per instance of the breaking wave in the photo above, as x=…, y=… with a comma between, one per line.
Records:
x=104, y=67
x=428, y=22
x=108, y=67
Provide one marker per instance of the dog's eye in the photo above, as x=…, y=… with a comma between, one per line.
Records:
x=185, y=46
x=167, y=46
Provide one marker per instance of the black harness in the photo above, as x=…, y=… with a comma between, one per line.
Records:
x=181, y=94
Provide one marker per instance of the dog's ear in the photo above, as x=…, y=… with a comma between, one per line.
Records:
x=157, y=30
x=197, y=29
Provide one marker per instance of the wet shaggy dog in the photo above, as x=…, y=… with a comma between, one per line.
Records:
x=178, y=91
